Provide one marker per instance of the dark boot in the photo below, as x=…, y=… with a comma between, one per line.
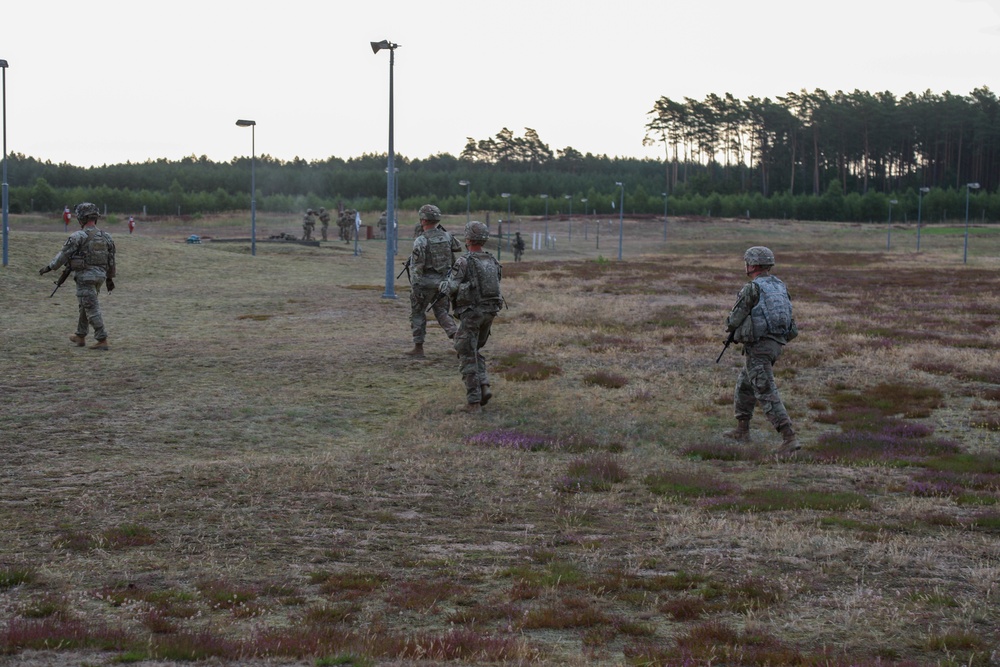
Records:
x=417, y=352
x=80, y=341
x=789, y=443
x=485, y=394
x=742, y=431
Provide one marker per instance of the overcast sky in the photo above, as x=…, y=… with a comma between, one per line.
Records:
x=109, y=81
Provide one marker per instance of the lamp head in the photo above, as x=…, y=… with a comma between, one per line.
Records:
x=973, y=186
x=246, y=123
x=3, y=63
x=463, y=182
x=925, y=190
x=384, y=44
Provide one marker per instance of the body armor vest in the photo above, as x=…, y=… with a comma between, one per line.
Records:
x=438, y=258
x=773, y=312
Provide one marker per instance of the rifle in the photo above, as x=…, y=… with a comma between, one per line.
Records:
x=406, y=268
x=725, y=346
x=62, y=279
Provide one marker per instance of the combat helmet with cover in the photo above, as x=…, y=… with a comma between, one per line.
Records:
x=477, y=231
x=87, y=210
x=758, y=255
x=430, y=212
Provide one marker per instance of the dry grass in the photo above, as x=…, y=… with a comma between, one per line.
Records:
x=256, y=474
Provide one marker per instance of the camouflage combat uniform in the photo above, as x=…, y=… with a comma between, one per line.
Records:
x=382, y=223
x=324, y=220
x=90, y=252
x=763, y=322
x=308, y=224
x=474, y=284
x=430, y=260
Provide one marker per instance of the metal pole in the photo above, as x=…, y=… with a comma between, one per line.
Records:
x=888, y=234
x=6, y=201
x=621, y=220
x=965, y=247
x=920, y=202
x=390, y=185
x=665, y=197
x=253, y=191
x=569, y=198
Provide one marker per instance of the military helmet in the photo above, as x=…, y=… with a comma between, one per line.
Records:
x=430, y=212
x=308, y=211
x=87, y=210
x=322, y=210
x=759, y=256
x=477, y=231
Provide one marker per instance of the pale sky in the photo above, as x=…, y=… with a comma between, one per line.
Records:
x=109, y=81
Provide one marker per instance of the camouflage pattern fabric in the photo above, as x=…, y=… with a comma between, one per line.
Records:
x=756, y=384
x=89, y=280
x=426, y=280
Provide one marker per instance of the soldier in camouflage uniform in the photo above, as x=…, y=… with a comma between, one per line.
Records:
x=762, y=321
x=90, y=254
x=382, y=223
x=308, y=224
x=345, y=222
x=430, y=260
x=474, y=287
x=324, y=220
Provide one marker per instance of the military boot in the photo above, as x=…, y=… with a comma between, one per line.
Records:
x=417, y=352
x=79, y=340
x=101, y=345
x=789, y=443
x=472, y=408
x=485, y=394
x=742, y=431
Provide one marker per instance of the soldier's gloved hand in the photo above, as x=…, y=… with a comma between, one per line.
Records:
x=42, y=271
x=110, y=282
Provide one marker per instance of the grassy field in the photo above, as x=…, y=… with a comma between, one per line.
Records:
x=256, y=474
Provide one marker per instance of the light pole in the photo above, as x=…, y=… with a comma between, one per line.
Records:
x=584, y=202
x=505, y=195
x=390, y=237
x=390, y=188
x=546, y=198
x=665, y=197
x=252, y=124
x=468, y=200
x=920, y=201
x=569, y=198
x=6, y=201
x=888, y=234
x=965, y=250
x=621, y=220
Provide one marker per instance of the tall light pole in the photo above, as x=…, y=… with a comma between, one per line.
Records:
x=584, y=202
x=665, y=197
x=546, y=198
x=888, y=234
x=965, y=250
x=253, y=182
x=505, y=195
x=468, y=200
x=390, y=174
x=390, y=237
x=920, y=201
x=621, y=220
x=569, y=198
x=6, y=201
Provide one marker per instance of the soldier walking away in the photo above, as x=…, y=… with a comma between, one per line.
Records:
x=518, y=246
x=430, y=260
x=308, y=224
x=762, y=321
x=90, y=254
x=324, y=220
x=474, y=287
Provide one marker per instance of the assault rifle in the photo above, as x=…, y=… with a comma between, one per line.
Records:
x=725, y=345
x=440, y=293
x=62, y=278
x=406, y=268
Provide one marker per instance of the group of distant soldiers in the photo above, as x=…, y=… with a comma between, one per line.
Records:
x=346, y=220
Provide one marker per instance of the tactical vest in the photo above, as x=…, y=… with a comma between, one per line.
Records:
x=438, y=258
x=98, y=250
x=773, y=312
x=483, y=283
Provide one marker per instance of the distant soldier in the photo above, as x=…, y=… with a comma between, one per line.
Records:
x=308, y=224
x=382, y=220
x=90, y=255
x=474, y=286
x=345, y=222
x=762, y=320
x=430, y=260
x=324, y=220
x=518, y=246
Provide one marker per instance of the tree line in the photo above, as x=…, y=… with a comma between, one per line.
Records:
x=723, y=158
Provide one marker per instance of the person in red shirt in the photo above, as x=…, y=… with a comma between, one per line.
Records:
x=67, y=216
x=131, y=224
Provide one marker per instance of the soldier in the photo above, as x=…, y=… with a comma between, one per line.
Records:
x=324, y=219
x=345, y=222
x=90, y=254
x=474, y=286
x=382, y=220
x=308, y=224
x=762, y=320
x=430, y=260
x=518, y=246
